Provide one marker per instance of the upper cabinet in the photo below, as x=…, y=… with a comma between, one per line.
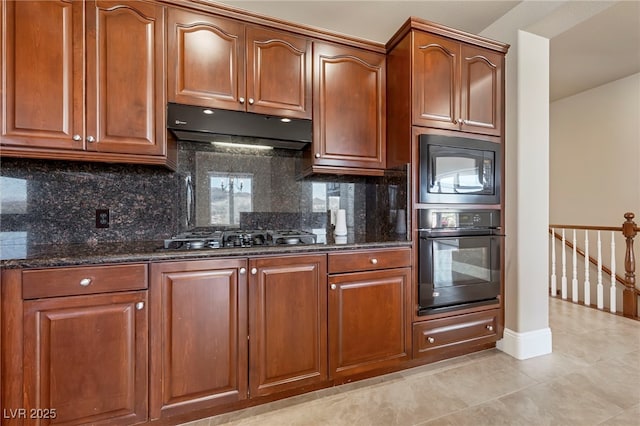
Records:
x=443, y=79
x=456, y=86
x=348, y=111
x=223, y=63
x=84, y=80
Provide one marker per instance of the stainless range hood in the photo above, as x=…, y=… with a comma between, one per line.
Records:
x=201, y=124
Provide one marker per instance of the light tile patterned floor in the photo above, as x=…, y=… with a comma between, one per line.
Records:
x=591, y=378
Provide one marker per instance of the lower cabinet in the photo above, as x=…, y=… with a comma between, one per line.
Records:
x=456, y=335
x=133, y=343
x=85, y=359
x=288, y=323
x=369, y=312
x=199, y=335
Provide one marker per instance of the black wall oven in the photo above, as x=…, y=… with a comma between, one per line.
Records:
x=459, y=259
x=459, y=170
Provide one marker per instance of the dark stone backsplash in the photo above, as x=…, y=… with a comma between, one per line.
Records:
x=55, y=202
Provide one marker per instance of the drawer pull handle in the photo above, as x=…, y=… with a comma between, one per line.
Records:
x=490, y=327
x=243, y=271
x=85, y=282
x=333, y=286
x=254, y=271
x=374, y=261
x=431, y=339
x=139, y=306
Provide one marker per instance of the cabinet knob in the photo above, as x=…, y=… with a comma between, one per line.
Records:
x=85, y=282
x=91, y=139
x=241, y=100
x=317, y=155
x=490, y=327
x=140, y=306
x=254, y=271
x=333, y=286
x=77, y=138
x=431, y=339
x=243, y=271
x=251, y=101
x=374, y=261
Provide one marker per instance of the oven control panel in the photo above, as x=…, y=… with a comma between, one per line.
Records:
x=441, y=219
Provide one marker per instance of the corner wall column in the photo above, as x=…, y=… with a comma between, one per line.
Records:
x=527, y=333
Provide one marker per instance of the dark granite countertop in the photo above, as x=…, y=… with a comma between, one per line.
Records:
x=56, y=255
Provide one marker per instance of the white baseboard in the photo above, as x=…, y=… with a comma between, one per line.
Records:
x=526, y=345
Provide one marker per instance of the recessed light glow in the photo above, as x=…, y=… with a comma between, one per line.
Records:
x=207, y=111
x=241, y=145
x=285, y=120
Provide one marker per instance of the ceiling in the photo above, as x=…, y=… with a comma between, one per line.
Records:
x=598, y=50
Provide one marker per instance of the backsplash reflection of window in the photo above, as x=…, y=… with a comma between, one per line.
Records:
x=230, y=194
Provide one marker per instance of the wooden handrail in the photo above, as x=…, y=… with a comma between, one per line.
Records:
x=588, y=228
x=629, y=230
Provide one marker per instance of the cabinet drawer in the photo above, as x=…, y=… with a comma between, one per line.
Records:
x=454, y=335
x=82, y=280
x=369, y=260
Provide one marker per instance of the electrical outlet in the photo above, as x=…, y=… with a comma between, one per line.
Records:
x=102, y=218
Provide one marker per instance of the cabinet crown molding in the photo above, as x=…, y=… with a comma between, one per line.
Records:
x=414, y=23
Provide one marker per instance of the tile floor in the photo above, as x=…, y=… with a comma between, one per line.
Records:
x=591, y=378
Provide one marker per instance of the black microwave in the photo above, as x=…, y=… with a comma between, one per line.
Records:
x=457, y=170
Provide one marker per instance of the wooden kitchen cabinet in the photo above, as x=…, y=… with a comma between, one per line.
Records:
x=445, y=80
x=199, y=335
x=456, y=86
x=84, y=81
x=349, y=96
x=85, y=358
x=455, y=335
x=224, y=63
x=369, y=311
x=288, y=323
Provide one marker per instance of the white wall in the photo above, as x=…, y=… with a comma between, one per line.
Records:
x=594, y=159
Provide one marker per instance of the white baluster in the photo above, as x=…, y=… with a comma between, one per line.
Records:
x=600, y=288
x=587, y=285
x=612, y=289
x=574, y=281
x=554, y=283
x=564, y=267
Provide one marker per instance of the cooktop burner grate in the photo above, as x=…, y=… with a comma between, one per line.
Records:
x=206, y=239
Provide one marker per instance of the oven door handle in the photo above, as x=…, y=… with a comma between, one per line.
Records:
x=430, y=235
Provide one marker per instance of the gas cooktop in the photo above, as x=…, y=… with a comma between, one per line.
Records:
x=207, y=239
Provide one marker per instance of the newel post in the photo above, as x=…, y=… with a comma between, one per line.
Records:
x=629, y=298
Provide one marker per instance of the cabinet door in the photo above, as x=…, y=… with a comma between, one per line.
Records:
x=205, y=60
x=278, y=73
x=125, y=77
x=481, y=90
x=369, y=321
x=199, y=339
x=86, y=357
x=43, y=94
x=435, y=85
x=349, y=107
x=287, y=327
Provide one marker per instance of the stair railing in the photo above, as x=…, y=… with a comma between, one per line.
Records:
x=626, y=285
